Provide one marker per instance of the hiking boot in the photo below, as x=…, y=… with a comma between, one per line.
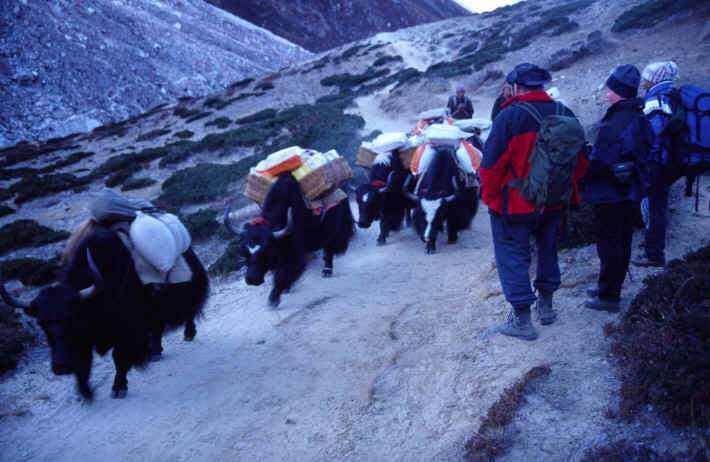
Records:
x=519, y=325
x=545, y=314
x=645, y=261
x=599, y=304
x=593, y=292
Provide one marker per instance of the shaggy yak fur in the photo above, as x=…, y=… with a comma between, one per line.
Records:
x=287, y=229
x=124, y=316
x=441, y=198
x=383, y=199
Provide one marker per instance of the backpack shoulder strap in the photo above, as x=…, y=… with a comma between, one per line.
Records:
x=530, y=109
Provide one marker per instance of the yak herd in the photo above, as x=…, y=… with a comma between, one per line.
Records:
x=100, y=303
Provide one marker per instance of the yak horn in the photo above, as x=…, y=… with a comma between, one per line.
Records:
x=227, y=221
x=388, y=186
x=405, y=189
x=456, y=189
x=288, y=229
x=98, y=285
x=9, y=299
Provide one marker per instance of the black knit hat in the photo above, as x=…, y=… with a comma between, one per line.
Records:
x=529, y=75
x=624, y=81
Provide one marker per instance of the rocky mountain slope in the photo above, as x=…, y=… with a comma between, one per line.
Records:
x=323, y=24
x=68, y=67
x=406, y=368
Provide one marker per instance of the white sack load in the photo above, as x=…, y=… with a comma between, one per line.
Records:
x=432, y=114
x=281, y=161
x=154, y=241
x=447, y=135
x=389, y=141
x=180, y=233
x=422, y=158
x=110, y=206
x=469, y=125
x=469, y=157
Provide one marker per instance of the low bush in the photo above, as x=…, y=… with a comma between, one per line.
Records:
x=122, y=175
x=241, y=83
x=349, y=53
x=349, y=81
x=31, y=271
x=220, y=122
x=257, y=117
x=5, y=210
x=27, y=233
x=34, y=186
x=231, y=259
x=137, y=183
x=203, y=183
x=579, y=229
x=202, y=224
x=566, y=8
x=198, y=116
x=184, y=134
x=662, y=344
x=14, y=338
x=264, y=86
x=184, y=112
x=652, y=12
x=213, y=102
x=470, y=48
x=387, y=59
x=151, y=135
x=491, y=440
x=70, y=160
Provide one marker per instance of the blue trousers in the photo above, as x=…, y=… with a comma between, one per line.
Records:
x=511, y=244
x=615, y=230
x=661, y=180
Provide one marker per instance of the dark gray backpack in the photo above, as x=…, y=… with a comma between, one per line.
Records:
x=553, y=160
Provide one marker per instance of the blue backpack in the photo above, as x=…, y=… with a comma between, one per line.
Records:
x=689, y=128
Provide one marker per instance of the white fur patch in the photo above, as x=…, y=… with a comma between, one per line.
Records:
x=364, y=197
x=253, y=250
x=384, y=158
x=430, y=208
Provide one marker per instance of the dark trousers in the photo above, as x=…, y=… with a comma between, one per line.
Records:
x=615, y=229
x=511, y=244
x=661, y=180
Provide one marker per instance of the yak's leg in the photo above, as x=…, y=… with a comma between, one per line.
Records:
x=328, y=263
x=384, y=232
x=120, y=381
x=82, y=373
x=275, y=295
x=451, y=231
x=190, y=330
x=156, y=342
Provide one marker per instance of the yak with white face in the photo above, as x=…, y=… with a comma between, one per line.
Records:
x=442, y=199
x=279, y=239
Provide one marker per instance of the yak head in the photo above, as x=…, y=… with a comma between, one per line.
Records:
x=62, y=314
x=368, y=196
x=430, y=210
x=259, y=243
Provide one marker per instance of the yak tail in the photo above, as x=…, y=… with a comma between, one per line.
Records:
x=84, y=229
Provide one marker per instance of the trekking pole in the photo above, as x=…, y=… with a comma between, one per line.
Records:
x=697, y=192
x=631, y=277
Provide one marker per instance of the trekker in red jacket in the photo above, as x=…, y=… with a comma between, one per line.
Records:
x=514, y=219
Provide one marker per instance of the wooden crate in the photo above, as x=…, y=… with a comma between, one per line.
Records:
x=257, y=187
x=365, y=157
x=406, y=155
x=325, y=179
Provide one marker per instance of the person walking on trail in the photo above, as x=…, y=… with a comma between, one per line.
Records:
x=505, y=95
x=615, y=182
x=657, y=79
x=515, y=219
x=459, y=105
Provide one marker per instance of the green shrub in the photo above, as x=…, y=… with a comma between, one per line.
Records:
x=151, y=135
x=213, y=102
x=387, y=59
x=231, y=259
x=221, y=123
x=138, y=183
x=203, y=183
x=31, y=271
x=72, y=159
x=348, y=81
x=257, y=117
x=34, y=186
x=651, y=13
x=27, y=233
x=14, y=338
x=580, y=229
x=199, y=116
x=349, y=53
x=5, y=210
x=202, y=224
x=122, y=175
x=185, y=134
x=470, y=48
x=184, y=112
x=264, y=86
x=241, y=83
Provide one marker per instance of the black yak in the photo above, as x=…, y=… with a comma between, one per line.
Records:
x=442, y=198
x=286, y=230
x=103, y=305
x=382, y=198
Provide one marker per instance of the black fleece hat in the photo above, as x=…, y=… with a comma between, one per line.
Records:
x=529, y=75
x=624, y=81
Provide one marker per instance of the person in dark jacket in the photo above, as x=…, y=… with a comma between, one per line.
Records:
x=506, y=93
x=657, y=79
x=625, y=138
x=459, y=105
x=513, y=219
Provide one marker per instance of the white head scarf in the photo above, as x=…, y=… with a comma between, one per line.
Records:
x=660, y=71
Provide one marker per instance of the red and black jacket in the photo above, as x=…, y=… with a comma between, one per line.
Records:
x=507, y=150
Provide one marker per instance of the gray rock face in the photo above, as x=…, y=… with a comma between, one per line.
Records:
x=66, y=66
x=319, y=25
x=565, y=57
